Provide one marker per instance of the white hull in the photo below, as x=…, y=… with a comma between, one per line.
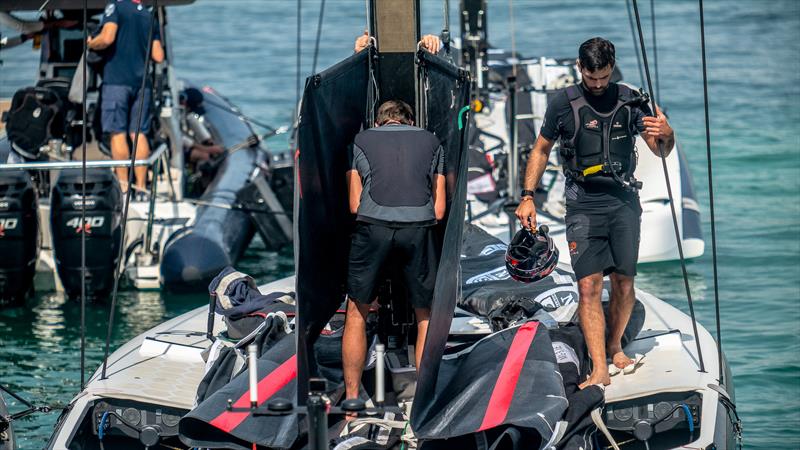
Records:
x=161, y=368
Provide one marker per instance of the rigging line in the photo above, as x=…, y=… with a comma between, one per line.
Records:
x=711, y=191
x=298, y=48
x=635, y=44
x=446, y=29
x=319, y=34
x=83, y=193
x=513, y=38
x=669, y=193
x=128, y=194
x=655, y=47
x=16, y=396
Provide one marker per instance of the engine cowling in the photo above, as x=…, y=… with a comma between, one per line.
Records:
x=102, y=227
x=19, y=236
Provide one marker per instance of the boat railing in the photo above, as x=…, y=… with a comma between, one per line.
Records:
x=60, y=165
x=151, y=161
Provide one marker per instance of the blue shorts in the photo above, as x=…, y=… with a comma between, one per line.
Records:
x=120, y=109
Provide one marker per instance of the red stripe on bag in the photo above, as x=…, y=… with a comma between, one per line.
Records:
x=267, y=387
x=506, y=383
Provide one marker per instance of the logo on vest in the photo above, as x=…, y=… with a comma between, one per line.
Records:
x=617, y=125
x=592, y=124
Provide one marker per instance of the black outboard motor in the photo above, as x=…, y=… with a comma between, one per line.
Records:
x=103, y=229
x=19, y=236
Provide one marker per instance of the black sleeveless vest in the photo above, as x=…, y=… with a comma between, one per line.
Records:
x=602, y=144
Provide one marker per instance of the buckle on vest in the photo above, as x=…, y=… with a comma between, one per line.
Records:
x=592, y=170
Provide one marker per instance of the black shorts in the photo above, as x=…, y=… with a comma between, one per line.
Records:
x=412, y=249
x=604, y=240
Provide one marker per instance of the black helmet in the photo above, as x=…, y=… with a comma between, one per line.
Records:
x=531, y=256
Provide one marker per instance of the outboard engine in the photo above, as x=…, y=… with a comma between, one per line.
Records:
x=19, y=236
x=102, y=227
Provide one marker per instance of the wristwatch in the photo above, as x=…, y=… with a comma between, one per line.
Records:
x=526, y=193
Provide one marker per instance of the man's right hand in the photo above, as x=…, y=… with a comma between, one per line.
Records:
x=526, y=213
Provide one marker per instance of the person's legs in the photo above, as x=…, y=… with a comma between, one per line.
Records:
x=622, y=300
x=114, y=120
x=142, y=152
x=140, y=99
x=624, y=232
x=423, y=317
x=120, y=151
x=354, y=346
x=417, y=248
x=593, y=324
x=369, y=247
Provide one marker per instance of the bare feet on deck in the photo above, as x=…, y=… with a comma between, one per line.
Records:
x=618, y=357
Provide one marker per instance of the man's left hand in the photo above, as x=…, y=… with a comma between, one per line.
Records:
x=430, y=43
x=657, y=127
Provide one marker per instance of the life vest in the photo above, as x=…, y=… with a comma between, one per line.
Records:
x=602, y=144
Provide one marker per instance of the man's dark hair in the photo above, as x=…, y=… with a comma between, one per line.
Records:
x=394, y=110
x=596, y=53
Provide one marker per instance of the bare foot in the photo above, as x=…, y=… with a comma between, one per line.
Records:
x=618, y=357
x=598, y=376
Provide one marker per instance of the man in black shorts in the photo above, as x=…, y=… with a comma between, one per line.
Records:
x=396, y=188
x=603, y=210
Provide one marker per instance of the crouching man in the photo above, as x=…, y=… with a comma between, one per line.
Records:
x=396, y=188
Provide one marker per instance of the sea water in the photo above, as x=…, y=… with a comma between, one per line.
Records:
x=246, y=50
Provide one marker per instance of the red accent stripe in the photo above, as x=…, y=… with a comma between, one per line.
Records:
x=299, y=181
x=506, y=383
x=267, y=387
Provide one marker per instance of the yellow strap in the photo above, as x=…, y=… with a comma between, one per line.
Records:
x=593, y=169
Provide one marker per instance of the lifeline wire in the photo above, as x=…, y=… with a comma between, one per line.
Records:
x=83, y=194
x=711, y=191
x=635, y=44
x=298, y=46
x=319, y=34
x=120, y=261
x=669, y=192
x=513, y=42
x=655, y=47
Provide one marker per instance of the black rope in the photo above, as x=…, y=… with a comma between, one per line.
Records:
x=120, y=261
x=669, y=192
x=298, y=46
x=319, y=34
x=655, y=47
x=711, y=192
x=635, y=44
x=83, y=194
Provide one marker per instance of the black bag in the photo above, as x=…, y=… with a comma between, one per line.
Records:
x=35, y=114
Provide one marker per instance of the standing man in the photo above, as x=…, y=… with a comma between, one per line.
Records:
x=125, y=38
x=396, y=188
x=597, y=122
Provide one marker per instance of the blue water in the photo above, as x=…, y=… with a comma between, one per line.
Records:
x=246, y=50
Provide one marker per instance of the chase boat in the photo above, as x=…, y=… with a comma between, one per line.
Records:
x=189, y=223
